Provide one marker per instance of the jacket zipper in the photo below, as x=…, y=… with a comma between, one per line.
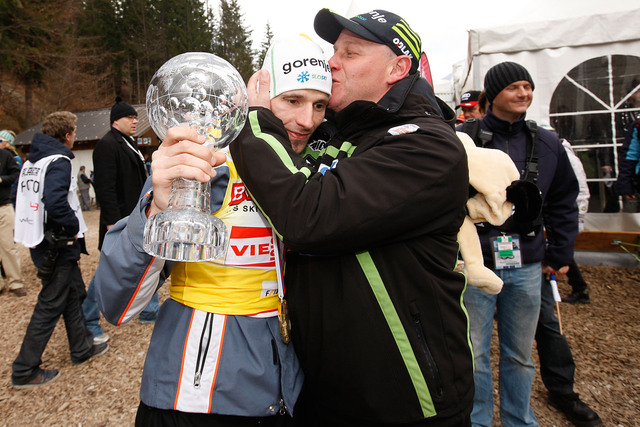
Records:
x=276, y=361
x=431, y=364
x=203, y=349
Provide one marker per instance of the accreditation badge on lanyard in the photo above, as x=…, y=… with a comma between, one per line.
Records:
x=506, y=251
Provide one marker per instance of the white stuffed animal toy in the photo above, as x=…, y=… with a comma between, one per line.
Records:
x=490, y=173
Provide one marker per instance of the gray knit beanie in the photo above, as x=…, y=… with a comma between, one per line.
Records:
x=502, y=75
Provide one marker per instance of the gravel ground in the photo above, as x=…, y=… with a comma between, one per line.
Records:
x=104, y=391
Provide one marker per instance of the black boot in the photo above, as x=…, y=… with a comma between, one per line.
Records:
x=580, y=297
x=575, y=409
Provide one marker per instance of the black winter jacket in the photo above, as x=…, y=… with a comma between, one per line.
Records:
x=120, y=175
x=57, y=180
x=9, y=173
x=376, y=306
x=557, y=183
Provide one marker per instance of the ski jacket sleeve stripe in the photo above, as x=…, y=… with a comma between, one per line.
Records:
x=146, y=284
x=275, y=145
x=127, y=276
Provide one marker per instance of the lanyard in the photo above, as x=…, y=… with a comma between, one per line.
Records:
x=283, y=309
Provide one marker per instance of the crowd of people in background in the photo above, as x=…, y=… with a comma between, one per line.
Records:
x=357, y=183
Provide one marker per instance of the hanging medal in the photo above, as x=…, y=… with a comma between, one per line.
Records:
x=283, y=310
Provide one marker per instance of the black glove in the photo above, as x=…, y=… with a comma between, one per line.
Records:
x=526, y=199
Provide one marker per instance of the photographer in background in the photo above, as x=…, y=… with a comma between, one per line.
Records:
x=49, y=222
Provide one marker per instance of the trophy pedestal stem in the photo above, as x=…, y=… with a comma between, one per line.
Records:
x=186, y=231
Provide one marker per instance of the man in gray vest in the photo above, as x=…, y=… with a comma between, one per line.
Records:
x=84, y=184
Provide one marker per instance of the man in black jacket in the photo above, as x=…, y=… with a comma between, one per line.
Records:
x=375, y=304
x=118, y=165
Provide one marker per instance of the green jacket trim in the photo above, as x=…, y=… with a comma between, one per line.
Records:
x=398, y=332
x=275, y=145
x=345, y=147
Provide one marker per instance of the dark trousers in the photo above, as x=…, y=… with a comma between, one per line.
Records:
x=576, y=281
x=556, y=361
x=148, y=416
x=61, y=295
x=308, y=413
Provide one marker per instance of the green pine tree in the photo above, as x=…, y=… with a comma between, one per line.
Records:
x=264, y=46
x=231, y=40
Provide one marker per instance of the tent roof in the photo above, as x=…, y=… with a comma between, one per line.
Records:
x=574, y=31
x=92, y=125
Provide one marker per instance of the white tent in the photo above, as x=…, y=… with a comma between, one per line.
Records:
x=549, y=50
x=586, y=70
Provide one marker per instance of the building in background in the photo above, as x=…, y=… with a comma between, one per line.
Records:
x=92, y=125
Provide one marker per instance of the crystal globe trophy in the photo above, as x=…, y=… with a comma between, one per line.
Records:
x=206, y=93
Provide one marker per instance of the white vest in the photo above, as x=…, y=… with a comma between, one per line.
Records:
x=30, y=214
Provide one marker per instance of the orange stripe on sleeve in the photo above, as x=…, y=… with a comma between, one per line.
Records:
x=126, y=310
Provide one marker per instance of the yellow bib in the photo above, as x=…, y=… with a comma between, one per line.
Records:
x=244, y=280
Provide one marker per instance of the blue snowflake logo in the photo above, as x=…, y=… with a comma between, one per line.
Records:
x=303, y=77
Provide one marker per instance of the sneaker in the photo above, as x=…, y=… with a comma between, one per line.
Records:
x=575, y=409
x=39, y=377
x=96, y=350
x=20, y=292
x=102, y=338
x=580, y=297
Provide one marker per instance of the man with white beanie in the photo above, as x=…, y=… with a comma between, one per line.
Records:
x=219, y=354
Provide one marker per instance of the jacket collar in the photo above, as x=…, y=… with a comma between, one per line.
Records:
x=498, y=125
x=396, y=98
x=124, y=137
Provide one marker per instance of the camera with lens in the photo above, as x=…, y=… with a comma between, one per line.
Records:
x=55, y=242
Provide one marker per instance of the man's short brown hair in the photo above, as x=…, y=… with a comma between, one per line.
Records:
x=59, y=124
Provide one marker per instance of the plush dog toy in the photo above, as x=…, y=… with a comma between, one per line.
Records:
x=490, y=173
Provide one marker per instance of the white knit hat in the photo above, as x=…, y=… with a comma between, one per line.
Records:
x=296, y=62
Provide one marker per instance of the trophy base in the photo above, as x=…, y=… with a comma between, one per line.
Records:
x=185, y=235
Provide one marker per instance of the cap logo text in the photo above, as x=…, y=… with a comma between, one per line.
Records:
x=314, y=62
x=403, y=48
x=375, y=15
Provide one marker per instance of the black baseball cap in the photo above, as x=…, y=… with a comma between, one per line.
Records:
x=469, y=99
x=379, y=26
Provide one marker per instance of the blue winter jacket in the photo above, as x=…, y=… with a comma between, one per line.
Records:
x=629, y=161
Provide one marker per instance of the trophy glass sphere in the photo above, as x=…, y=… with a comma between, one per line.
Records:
x=206, y=93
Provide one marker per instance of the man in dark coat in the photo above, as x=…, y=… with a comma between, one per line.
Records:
x=119, y=168
x=119, y=175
